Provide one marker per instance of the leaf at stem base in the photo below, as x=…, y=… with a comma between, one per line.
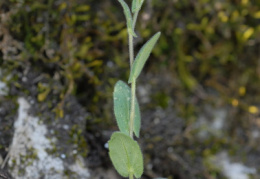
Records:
x=126, y=155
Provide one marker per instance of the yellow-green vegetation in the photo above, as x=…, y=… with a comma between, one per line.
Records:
x=58, y=44
x=77, y=138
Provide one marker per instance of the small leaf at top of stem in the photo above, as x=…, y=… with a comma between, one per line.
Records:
x=129, y=19
x=142, y=57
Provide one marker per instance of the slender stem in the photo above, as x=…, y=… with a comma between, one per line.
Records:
x=131, y=41
x=132, y=113
x=131, y=176
x=132, y=109
x=131, y=50
x=133, y=85
x=135, y=18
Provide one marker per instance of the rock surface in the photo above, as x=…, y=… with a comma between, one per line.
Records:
x=32, y=153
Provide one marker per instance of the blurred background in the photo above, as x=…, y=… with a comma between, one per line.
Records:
x=199, y=91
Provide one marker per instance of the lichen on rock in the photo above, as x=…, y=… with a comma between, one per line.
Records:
x=29, y=157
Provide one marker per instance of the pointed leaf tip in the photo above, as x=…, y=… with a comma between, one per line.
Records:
x=142, y=57
x=136, y=5
x=129, y=18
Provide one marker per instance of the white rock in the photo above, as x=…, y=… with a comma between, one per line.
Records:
x=28, y=151
x=232, y=170
x=3, y=88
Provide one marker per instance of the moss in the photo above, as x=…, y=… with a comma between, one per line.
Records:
x=50, y=50
x=77, y=138
x=53, y=150
x=209, y=54
x=162, y=99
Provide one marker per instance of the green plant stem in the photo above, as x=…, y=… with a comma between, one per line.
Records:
x=133, y=85
x=131, y=50
x=135, y=18
x=132, y=109
x=132, y=112
x=131, y=176
x=131, y=41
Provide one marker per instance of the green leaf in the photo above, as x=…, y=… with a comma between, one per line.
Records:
x=136, y=5
x=126, y=155
x=129, y=19
x=142, y=57
x=121, y=97
x=122, y=105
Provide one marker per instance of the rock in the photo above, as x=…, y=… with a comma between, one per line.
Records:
x=39, y=151
x=4, y=174
x=232, y=170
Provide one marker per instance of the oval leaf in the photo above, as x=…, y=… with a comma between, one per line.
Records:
x=121, y=97
x=122, y=106
x=128, y=16
x=142, y=57
x=126, y=155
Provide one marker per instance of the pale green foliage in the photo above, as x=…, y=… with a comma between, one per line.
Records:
x=126, y=155
x=142, y=57
x=129, y=19
x=122, y=103
x=124, y=151
x=136, y=5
